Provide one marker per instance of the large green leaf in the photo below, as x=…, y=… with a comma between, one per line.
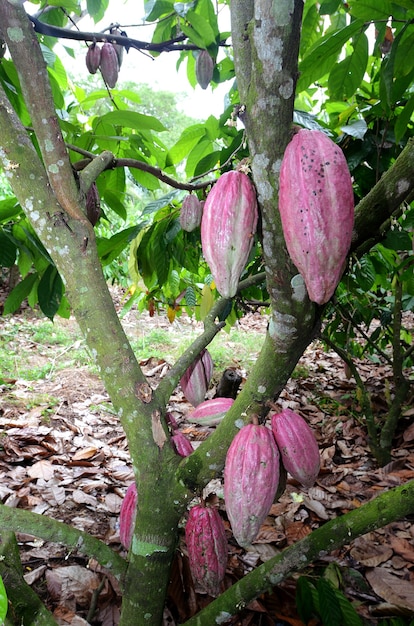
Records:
x=19, y=293
x=132, y=119
x=97, y=8
x=50, y=291
x=4, y=605
x=9, y=209
x=199, y=30
x=8, y=250
x=323, y=55
x=329, y=607
x=347, y=75
x=371, y=10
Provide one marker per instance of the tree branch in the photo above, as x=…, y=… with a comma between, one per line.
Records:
x=51, y=530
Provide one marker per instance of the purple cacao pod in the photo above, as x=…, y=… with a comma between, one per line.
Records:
x=127, y=516
x=204, y=69
x=93, y=204
x=109, y=64
x=181, y=444
x=251, y=479
x=297, y=445
x=316, y=204
x=191, y=212
x=93, y=58
x=207, y=548
x=196, y=379
x=227, y=229
x=210, y=412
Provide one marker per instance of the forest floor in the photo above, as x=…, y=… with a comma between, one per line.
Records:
x=64, y=454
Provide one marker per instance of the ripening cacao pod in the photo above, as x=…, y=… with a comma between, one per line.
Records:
x=93, y=204
x=204, y=69
x=207, y=548
x=181, y=444
x=210, y=412
x=191, y=212
x=297, y=446
x=93, y=58
x=109, y=64
x=119, y=49
x=197, y=377
x=227, y=229
x=127, y=515
x=251, y=479
x=316, y=204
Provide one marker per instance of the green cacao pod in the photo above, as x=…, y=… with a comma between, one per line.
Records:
x=207, y=548
x=228, y=226
x=251, y=479
x=316, y=205
x=297, y=446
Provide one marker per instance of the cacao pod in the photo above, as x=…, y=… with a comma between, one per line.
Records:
x=316, y=205
x=207, y=548
x=227, y=227
x=204, y=69
x=251, y=479
x=109, y=64
x=191, y=212
x=127, y=516
x=297, y=446
x=210, y=412
x=93, y=58
x=181, y=444
x=196, y=379
x=93, y=204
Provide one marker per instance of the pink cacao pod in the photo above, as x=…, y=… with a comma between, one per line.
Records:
x=227, y=227
x=316, y=204
x=297, y=445
x=207, y=548
x=204, y=69
x=127, y=516
x=181, y=444
x=210, y=412
x=191, y=212
x=251, y=479
x=196, y=379
x=109, y=64
x=93, y=58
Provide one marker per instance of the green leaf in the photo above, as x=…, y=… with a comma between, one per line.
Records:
x=329, y=607
x=403, y=119
x=371, y=10
x=190, y=296
x=4, y=605
x=365, y=273
x=323, y=55
x=19, y=293
x=306, y=599
x=50, y=291
x=8, y=250
x=132, y=119
x=154, y=9
x=349, y=616
x=97, y=8
x=199, y=31
x=189, y=138
x=347, y=75
x=9, y=209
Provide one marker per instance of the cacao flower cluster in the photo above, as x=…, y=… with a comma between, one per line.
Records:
x=107, y=58
x=228, y=226
x=316, y=204
x=256, y=462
